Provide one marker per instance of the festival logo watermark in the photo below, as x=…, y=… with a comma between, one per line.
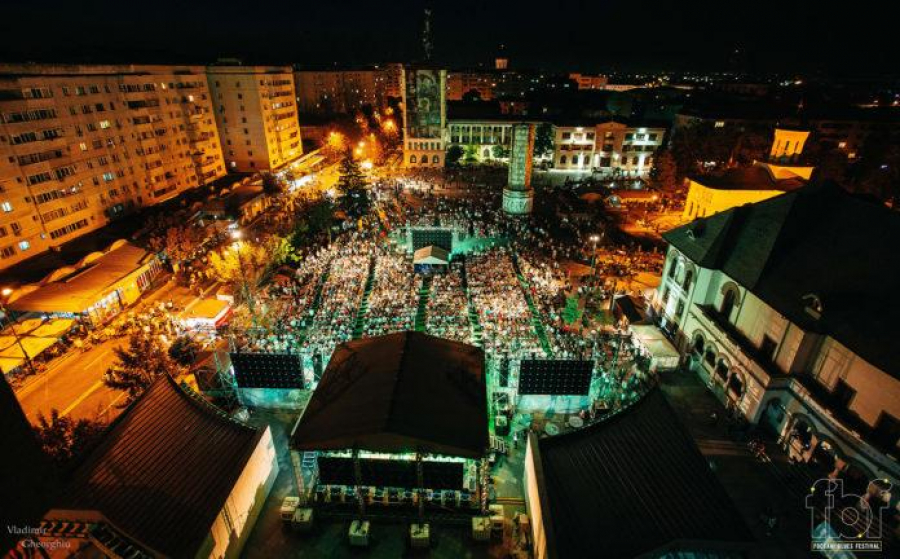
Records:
x=842, y=522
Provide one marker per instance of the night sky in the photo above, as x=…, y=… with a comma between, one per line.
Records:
x=583, y=35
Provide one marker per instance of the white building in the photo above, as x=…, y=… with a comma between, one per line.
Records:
x=612, y=148
x=788, y=309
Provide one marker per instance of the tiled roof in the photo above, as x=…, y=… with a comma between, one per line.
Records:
x=163, y=471
x=630, y=485
x=817, y=240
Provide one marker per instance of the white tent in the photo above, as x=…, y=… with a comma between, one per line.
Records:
x=663, y=355
x=431, y=254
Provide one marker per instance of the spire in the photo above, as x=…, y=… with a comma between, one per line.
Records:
x=426, y=36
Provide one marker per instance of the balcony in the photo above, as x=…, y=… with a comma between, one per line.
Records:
x=740, y=341
x=842, y=421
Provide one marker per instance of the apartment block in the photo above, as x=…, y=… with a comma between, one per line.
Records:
x=460, y=83
x=81, y=146
x=256, y=112
x=338, y=91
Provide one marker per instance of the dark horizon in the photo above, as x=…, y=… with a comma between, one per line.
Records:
x=572, y=36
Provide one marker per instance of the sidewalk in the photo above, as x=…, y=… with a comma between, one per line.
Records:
x=754, y=486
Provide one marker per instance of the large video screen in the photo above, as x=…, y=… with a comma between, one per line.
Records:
x=423, y=103
x=267, y=370
x=557, y=377
x=442, y=238
x=337, y=470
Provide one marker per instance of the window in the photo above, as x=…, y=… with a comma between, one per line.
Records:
x=767, y=348
x=562, y=160
x=104, y=124
x=842, y=395
x=729, y=299
x=886, y=432
x=6, y=207
x=24, y=245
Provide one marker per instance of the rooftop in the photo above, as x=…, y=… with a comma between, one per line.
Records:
x=162, y=472
x=397, y=393
x=630, y=485
x=816, y=240
x=756, y=177
x=75, y=289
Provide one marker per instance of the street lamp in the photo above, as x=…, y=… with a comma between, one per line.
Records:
x=12, y=326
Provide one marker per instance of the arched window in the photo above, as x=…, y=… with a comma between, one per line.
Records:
x=436, y=159
x=736, y=386
x=412, y=158
x=673, y=267
x=699, y=344
x=688, y=279
x=722, y=369
x=710, y=356
x=729, y=300
x=486, y=153
x=562, y=159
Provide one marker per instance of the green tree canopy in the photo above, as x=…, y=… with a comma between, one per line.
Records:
x=138, y=364
x=543, y=139
x=354, y=201
x=454, y=154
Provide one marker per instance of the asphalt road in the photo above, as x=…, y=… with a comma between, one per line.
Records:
x=74, y=386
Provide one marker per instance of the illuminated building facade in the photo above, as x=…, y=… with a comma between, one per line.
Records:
x=586, y=81
x=710, y=194
x=611, y=148
x=256, y=112
x=339, y=91
x=485, y=140
x=81, y=146
x=424, y=116
x=772, y=305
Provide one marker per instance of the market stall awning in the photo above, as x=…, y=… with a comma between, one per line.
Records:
x=34, y=346
x=8, y=364
x=431, y=255
x=53, y=329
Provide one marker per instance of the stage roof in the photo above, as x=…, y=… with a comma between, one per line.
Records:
x=431, y=255
x=630, y=485
x=164, y=469
x=403, y=392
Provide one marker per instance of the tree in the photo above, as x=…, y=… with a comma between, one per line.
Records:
x=471, y=154
x=665, y=172
x=138, y=364
x=240, y=261
x=454, y=154
x=64, y=439
x=180, y=242
x=271, y=184
x=500, y=152
x=351, y=184
x=184, y=350
x=543, y=140
x=472, y=96
x=335, y=144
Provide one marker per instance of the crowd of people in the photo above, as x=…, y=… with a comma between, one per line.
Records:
x=503, y=313
x=447, y=312
x=393, y=301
